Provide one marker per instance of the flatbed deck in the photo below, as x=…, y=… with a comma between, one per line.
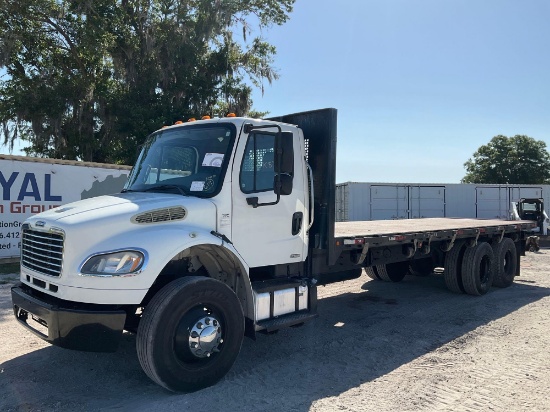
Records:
x=375, y=228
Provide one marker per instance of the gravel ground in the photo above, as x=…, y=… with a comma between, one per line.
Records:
x=409, y=346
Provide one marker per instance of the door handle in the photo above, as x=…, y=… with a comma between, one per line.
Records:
x=297, y=219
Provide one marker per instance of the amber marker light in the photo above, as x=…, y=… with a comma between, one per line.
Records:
x=205, y=118
x=231, y=115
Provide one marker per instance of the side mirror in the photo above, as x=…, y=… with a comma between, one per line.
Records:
x=284, y=163
x=284, y=153
x=285, y=186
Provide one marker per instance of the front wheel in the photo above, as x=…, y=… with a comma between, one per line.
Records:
x=190, y=334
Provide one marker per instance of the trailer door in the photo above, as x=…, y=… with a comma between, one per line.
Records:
x=492, y=202
x=389, y=202
x=427, y=201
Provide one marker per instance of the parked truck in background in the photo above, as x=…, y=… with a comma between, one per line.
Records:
x=531, y=209
x=225, y=228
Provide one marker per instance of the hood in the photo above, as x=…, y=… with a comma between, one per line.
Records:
x=124, y=206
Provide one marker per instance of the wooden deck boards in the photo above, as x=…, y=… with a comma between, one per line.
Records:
x=390, y=227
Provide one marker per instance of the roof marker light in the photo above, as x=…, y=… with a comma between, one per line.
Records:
x=191, y=119
x=231, y=115
x=179, y=122
x=205, y=117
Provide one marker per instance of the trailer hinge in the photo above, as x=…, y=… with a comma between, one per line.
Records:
x=427, y=248
x=502, y=235
x=412, y=250
x=451, y=243
x=473, y=242
x=363, y=254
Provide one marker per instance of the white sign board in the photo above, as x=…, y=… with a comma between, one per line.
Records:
x=29, y=186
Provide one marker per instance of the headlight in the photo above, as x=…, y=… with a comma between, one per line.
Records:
x=119, y=263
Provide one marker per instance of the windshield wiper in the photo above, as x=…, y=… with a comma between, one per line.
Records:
x=166, y=187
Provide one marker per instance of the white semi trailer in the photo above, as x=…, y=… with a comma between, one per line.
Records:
x=376, y=201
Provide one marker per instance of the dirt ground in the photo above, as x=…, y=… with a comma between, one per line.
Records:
x=410, y=346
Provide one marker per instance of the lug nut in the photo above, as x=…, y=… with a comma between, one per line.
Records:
x=199, y=325
x=215, y=322
x=194, y=334
x=194, y=345
x=207, y=321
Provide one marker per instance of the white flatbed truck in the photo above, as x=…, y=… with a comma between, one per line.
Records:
x=226, y=228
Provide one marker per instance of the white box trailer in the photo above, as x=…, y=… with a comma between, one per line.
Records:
x=383, y=201
x=31, y=185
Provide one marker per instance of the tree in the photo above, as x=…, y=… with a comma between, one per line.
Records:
x=90, y=79
x=509, y=160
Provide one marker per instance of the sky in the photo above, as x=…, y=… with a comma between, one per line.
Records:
x=419, y=85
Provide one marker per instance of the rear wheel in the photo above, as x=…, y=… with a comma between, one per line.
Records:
x=190, y=333
x=392, y=272
x=453, y=267
x=505, y=263
x=477, y=269
x=371, y=273
x=422, y=267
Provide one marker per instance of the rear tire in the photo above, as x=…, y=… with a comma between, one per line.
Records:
x=477, y=269
x=190, y=333
x=421, y=267
x=392, y=272
x=371, y=273
x=453, y=267
x=505, y=263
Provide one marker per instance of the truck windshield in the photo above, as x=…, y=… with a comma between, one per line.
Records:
x=190, y=160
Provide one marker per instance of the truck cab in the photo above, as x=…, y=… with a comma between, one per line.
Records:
x=219, y=207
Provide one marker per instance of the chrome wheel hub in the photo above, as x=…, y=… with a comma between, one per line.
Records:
x=205, y=337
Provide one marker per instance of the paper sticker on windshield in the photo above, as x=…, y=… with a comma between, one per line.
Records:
x=213, y=159
x=197, y=186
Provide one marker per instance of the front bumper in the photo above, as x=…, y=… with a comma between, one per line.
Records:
x=88, y=328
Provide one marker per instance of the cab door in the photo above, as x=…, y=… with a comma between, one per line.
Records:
x=274, y=232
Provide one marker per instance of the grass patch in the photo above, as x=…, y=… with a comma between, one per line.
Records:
x=9, y=268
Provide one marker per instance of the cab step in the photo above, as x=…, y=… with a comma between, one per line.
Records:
x=284, y=321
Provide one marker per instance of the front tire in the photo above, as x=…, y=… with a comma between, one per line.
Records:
x=190, y=334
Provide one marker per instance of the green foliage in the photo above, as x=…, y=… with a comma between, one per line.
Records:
x=515, y=160
x=90, y=79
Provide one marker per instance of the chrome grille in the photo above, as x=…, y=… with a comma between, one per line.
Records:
x=160, y=215
x=42, y=252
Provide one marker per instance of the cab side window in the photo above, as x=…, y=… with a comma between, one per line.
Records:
x=257, y=169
